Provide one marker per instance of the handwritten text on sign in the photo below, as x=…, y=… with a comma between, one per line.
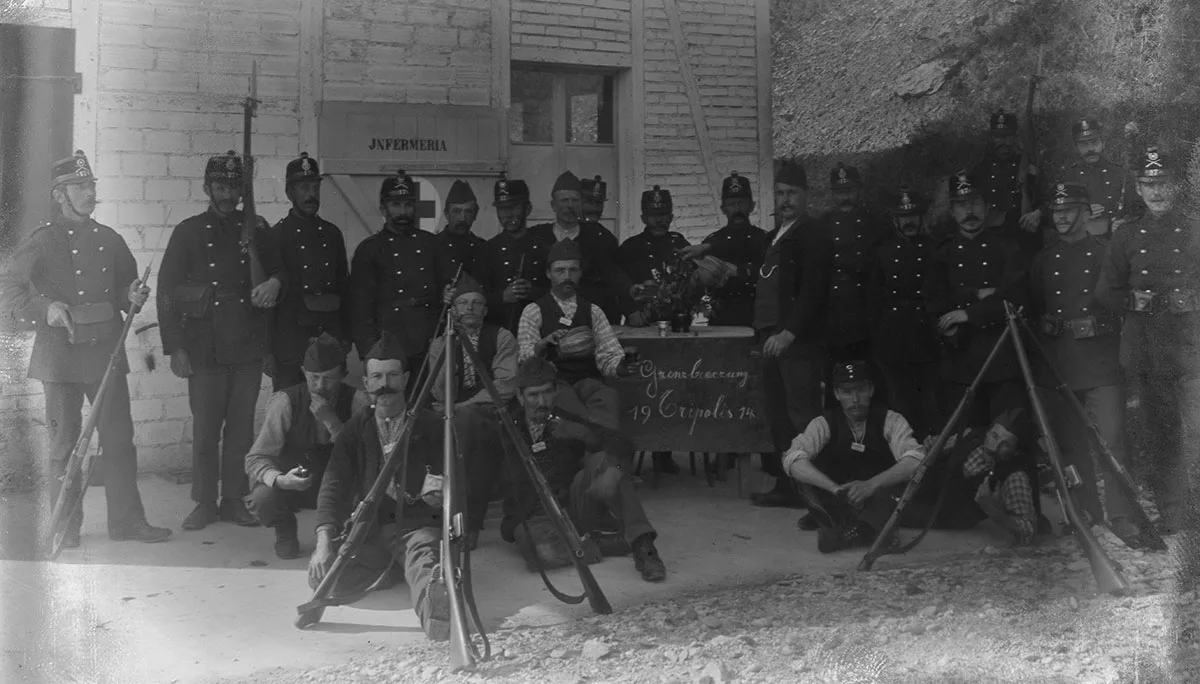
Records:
x=664, y=402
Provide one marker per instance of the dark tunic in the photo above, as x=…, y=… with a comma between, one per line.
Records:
x=507, y=252
x=903, y=329
x=1063, y=296
x=76, y=264
x=205, y=250
x=396, y=283
x=855, y=236
x=1001, y=186
x=643, y=254
x=793, y=283
x=604, y=280
x=472, y=252
x=960, y=267
x=1109, y=184
x=1161, y=255
x=744, y=247
x=570, y=370
x=313, y=253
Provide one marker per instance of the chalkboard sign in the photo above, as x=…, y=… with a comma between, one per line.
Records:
x=695, y=393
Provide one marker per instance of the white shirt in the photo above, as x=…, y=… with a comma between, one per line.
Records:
x=815, y=437
x=561, y=233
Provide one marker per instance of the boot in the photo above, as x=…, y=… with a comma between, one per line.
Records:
x=435, y=614
x=647, y=560
x=235, y=511
x=287, y=543
x=140, y=531
x=808, y=522
x=203, y=515
x=831, y=539
x=472, y=540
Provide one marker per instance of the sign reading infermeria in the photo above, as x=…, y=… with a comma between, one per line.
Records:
x=408, y=145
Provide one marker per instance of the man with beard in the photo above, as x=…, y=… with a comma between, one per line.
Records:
x=1150, y=274
x=999, y=179
x=518, y=256
x=215, y=332
x=408, y=529
x=739, y=244
x=70, y=280
x=969, y=279
x=1082, y=340
x=314, y=261
x=594, y=195
x=464, y=247
x=603, y=282
x=474, y=407
x=397, y=275
x=586, y=467
x=573, y=334
x=852, y=463
x=289, y=456
x=903, y=331
x=790, y=302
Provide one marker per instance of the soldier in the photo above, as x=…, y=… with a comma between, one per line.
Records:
x=740, y=244
x=518, y=257
x=903, y=332
x=594, y=195
x=789, y=307
x=397, y=275
x=603, y=282
x=1109, y=185
x=999, y=179
x=314, y=261
x=465, y=248
x=1149, y=274
x=214, y=328
x=966, y=287
x=70, y=280
x=1082, y=340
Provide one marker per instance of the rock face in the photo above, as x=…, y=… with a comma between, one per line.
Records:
x=926, y=79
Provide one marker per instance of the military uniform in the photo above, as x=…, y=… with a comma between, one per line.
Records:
x=961, y=267
x=1107, y=183
x=396, y=281
x=999, y=181
x=1150, y=275
x=515, y=256
x=743, y=247
x=644, y=254
x=902, y=329
x=470, y=251
x=313, y=255
x=594, y=193
x=89, y=268
x=1082, y=341
x=204, y=309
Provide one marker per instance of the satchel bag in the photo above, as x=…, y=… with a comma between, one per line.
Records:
x=93, y=322
x=543, y=548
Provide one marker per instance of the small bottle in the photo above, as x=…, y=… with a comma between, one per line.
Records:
x=662, y=328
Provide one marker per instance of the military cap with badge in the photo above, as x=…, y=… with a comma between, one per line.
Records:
x=224, y=168
x=594, y=189
x=303, y=168
x=399, y=187
x=72, y=170
x=509, y=193
x=656, y=202
x=1086, y=129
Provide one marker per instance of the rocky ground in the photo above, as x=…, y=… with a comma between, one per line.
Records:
x=1001, y=615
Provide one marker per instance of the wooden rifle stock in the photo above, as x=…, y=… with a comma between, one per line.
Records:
x=249, y=216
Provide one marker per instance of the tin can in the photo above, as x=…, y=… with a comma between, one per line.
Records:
x=662, y=328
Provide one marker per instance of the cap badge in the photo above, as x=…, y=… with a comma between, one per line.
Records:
x=964, y=184
x=231, y=164
x=906, y=201
x=842, y=175
x=305, y=166
x=1083, y=125
x=735, y=184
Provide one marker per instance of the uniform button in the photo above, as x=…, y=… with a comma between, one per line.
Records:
x=1145, y=272
x=1056, y=273
x=74, y=251
x=242, y=301
x=214, y=283
x=104, y=270
x=70, y=232
x=305, y=265
x=1141, y=251
x=207, y=225
x=101, y=248
x=1178, y=271
x=81, y=293
x=1059, y=311
x=78, y=272
x=1087, y=270
x=212, y=265
x=95, y=230
x=210, y=244
x=106, y=290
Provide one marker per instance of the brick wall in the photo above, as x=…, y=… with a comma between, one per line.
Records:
x=584, y=25
x=415, y=52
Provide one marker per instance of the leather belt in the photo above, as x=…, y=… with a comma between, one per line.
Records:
x=1150, y=303
x=1081, y=327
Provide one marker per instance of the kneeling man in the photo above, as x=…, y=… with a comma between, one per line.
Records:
x=588, y=469
x=288, y=458
x=853, y=464
x=413, y=541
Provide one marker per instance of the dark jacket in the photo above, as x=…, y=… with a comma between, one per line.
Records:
x=514, y=258
x=643, y=254
x=903, y=330
x=742, y=246
x=855, y=236
x=313, y=253
x=801, y=287
x=473, y=253
x=604, y=281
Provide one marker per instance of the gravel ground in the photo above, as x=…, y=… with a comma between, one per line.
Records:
x=1000, y=615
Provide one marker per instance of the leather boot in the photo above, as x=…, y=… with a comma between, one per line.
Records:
x=235, y=511
x=203, y=515
x=140, y=531
x=647, y=560
x=287, y=542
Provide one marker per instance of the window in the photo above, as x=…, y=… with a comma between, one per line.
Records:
x=589, y=108
x=557, y=106
x=532, y=106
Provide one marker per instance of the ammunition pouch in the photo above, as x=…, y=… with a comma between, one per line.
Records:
x=1176, y=302
x=93, y=322
x=1182, y=301
x=193, y=301
x=1080, y=328
x=322, y=303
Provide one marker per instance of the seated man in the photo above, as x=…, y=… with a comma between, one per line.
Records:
x=474, y=410
x=853, y=463
x=288, y=458
x=413, y=540
x=587, y=468
x=575, y=336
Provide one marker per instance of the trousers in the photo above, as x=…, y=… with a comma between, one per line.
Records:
x=1105, y=406
x=791, y=397
x=591, y=398
x=272, y=506
x=874, y=512
x=222, y=399
x=477, y=430
x=592, y=510
x=1171, y=438
x=118, y=460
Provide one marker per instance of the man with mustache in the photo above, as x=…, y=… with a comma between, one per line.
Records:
x=289, y=456
x=1150, y=275
x=969, y=279
x=1082, y=339
x=594, y=195
x=790, y=304
x=573, y=334
x=398, y=275
x=602, y=282
x=464, y=247
x=314, y=261
x=215, y=330
x=1111, y=187
x=518, y=256
x=999, y=178
x=70, y=280
x=407, y=531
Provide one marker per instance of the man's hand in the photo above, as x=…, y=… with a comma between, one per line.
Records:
x=1117, y=223
x=266, y=294
x=1031, y=221
x=694, y=251
x=952, y=319
x=858, y=491
x=448, y=294
x=553, y=338
x=322, y=559
x=1097, y=210
x=59, y=316
x=181, y=364
x=516, y=291
x=985, y=292
x=637, y=319
x=138, y=294
x=988, y=501
x=778, y=343
x=292, y=482
x=639, y=292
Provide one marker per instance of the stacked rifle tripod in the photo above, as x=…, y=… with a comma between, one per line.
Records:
x=454, y=570
x=1106, y=571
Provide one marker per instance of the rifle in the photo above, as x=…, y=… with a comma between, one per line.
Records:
x=515, y=316
x=79, y=466
x=566, y=529
x=249, y=217
x=1029, y=139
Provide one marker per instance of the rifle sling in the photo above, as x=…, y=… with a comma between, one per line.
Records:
x=537, y=561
